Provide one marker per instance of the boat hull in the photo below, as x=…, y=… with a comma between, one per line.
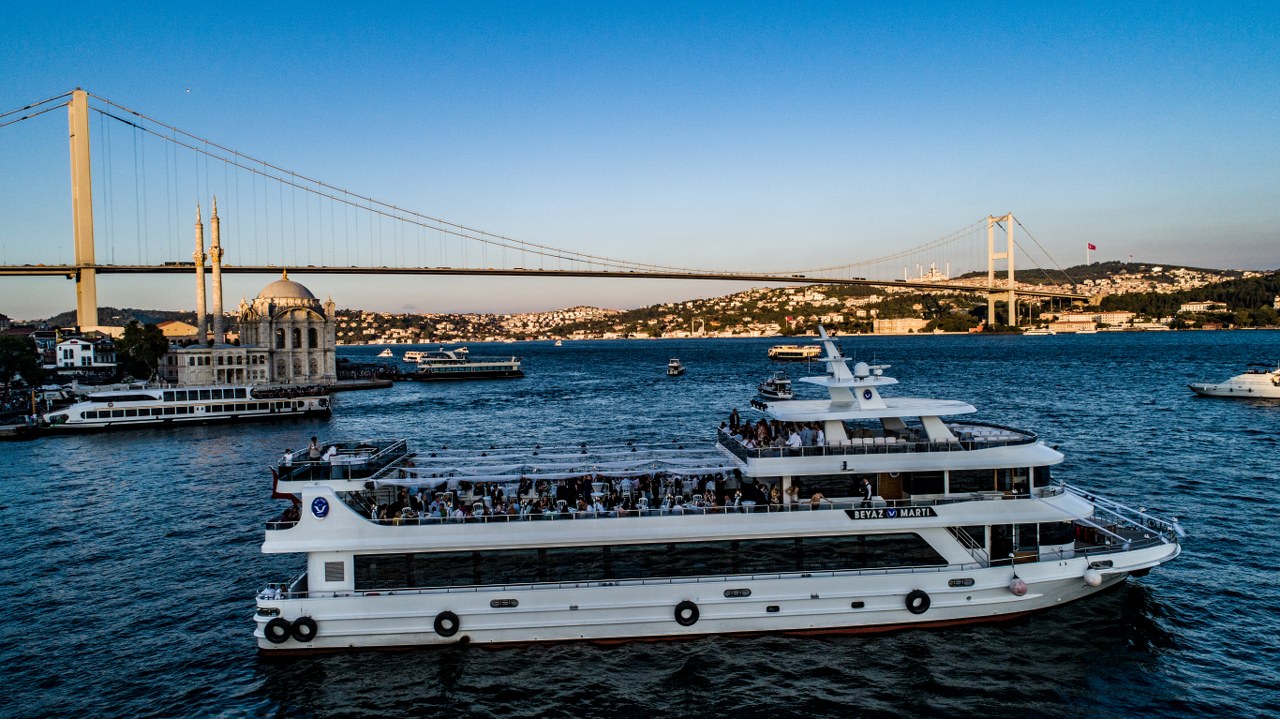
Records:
x=165, y=422
x=1236, y=391
x=479, y=374
x=614, y=611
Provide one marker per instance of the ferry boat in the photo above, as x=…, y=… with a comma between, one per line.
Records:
x=164, y=406
x=1038, y=331
x=386, y=352
x=413, y=356
x=897, y=518
x=451, y=364
x=1258, y=381
x=794, y=353
x=674, y=368
x=776, y=387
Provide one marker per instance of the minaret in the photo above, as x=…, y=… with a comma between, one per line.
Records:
x=215, y=256
x=198, y=256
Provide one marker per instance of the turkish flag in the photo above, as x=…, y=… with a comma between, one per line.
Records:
x=1091, y=246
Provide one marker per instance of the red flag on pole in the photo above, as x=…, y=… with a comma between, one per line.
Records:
x=1091, y=246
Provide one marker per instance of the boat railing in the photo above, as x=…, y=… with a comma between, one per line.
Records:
x=880, y=444
x=362, y=505
x=354, y=460
x=1108, y=512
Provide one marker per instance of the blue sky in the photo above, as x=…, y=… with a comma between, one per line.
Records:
x=727, y=135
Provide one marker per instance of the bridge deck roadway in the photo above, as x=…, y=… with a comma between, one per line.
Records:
x=70, y=272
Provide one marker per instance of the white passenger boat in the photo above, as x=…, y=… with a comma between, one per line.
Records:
x=386, y=352
x=1037, y=331
x=961, y=522
x=454, y=364
x=413, y=356
x=794, y=353
x=777, y=386
x=1259, y=381
x=674, y=368
x=163, y=406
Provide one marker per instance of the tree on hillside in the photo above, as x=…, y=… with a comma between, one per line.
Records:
x=140, y=349
x=19, y=357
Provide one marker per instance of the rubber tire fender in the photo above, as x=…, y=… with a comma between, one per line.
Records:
x=447, y=624
x=686, y=613
x=918, y=601
x=304, y=629
x=278, y=630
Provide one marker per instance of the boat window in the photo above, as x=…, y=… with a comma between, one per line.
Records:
x=1027, y=536
x=972, y=480
x=1057, y=533
x=240, y=393
x=206, y=394
x=1041, y=477
x=647, y=561
x=831, y=485
x=131, y=413
x=977, y=533
x=168, y=396
x=922, y=482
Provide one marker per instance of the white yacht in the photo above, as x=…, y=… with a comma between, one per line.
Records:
x=898, y=518
x=163, y=406
x=674, y=368
x=778, y=386
x=386, y=352
x=1259, y=381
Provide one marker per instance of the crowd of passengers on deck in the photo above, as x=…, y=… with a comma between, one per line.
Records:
x=590, y=496
x=774, y=434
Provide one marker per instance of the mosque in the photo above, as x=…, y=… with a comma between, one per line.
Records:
x=287, y=335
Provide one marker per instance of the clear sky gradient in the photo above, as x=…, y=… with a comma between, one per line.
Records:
x=735, y=135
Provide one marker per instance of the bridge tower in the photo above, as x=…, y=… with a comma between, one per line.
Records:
x=82, y=210
x=1010, y=298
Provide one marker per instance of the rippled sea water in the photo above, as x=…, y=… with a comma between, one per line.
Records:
x=130, y=560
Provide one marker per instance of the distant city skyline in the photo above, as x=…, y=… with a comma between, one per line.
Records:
x=730, y=136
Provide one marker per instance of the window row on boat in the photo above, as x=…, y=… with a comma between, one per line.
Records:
x=180, y=410
x=423, y=570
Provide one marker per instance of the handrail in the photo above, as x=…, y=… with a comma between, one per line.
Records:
x=896, y=446
x=1135, y=518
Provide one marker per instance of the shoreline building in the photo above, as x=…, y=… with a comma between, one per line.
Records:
x=287, y=336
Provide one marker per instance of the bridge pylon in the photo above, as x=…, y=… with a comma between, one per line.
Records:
x=82, y=210
x=1011, y=300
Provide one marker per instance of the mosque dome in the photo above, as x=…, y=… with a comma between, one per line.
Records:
x=285, y=289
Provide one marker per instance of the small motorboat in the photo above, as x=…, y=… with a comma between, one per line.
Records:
x=674, y=368
x=386, y=352
x=776, y=387
x=1259, y=381
x=559, y=343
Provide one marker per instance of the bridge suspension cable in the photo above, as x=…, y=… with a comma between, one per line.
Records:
x=354, y=199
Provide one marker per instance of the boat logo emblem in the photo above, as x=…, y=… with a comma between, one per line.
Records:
x=866, y=394
x=891, y=512
x=320, y=507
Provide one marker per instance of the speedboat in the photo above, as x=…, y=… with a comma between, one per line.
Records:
x=1258, y=381
x=776, y=387
x=878, y=513
x=559, y=343
x=386, y=352
x=674, y=368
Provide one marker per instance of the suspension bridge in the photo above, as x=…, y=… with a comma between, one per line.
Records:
x=129, y=207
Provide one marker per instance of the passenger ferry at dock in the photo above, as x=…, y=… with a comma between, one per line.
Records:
x=455, y=364
x=164, y=406
x=855, y=513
